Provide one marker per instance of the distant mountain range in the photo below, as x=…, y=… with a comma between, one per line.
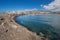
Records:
x=32, y=11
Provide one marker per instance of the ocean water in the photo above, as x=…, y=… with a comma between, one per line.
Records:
x=42, y=24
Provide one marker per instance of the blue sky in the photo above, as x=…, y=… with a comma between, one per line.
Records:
x=9, y=5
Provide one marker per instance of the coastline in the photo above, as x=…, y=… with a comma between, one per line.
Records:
x=14, y=31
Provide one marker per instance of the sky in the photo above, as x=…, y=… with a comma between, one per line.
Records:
x=15, y=5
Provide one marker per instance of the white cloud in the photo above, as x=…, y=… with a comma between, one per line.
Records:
x=27, y=10
x=31, y=9
x=54, y=6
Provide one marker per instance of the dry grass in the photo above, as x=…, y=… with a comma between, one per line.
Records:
x=10, y=30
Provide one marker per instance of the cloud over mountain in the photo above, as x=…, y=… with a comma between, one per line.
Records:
x=30, y=9
x=53, y=6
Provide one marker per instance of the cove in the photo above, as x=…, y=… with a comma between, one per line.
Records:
x=42, y=24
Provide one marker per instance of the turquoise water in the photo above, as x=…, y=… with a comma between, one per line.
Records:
x=42, y=24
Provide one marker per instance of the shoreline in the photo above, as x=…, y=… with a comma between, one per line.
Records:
x=9, y=27
x=15, y=31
